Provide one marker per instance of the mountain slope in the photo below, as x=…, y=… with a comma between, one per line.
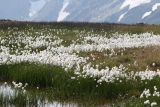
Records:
x=49, y=12
x=117, y=11
x=14, y=9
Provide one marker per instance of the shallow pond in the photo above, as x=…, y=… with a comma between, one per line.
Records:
x=13, y=96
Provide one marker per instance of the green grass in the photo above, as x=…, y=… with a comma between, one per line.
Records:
x=58, y=80
x=46, y=76
x=56, y=83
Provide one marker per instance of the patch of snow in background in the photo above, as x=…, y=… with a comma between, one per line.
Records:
x=154, y=8
x=36, y=6
x=133, y=3
x=121, y=16
x=63, y=14
x=146, y=14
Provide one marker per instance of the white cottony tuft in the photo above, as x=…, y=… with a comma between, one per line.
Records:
x=146, y=102
x=153, y=104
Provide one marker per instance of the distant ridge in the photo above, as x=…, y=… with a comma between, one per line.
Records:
x=113, y=11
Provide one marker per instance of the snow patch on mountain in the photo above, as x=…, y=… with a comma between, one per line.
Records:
x=63, y=14
x=113, y=11
x=36, y=6
x=154, y=8
x=146, y=14
x=133, y=3
x=121, y=16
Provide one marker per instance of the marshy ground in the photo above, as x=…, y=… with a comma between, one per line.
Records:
x=79, y=64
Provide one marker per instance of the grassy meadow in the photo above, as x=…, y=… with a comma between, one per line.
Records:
x=86, y=64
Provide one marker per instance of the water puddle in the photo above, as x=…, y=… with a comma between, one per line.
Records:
x=11, y=97
x=17, y=94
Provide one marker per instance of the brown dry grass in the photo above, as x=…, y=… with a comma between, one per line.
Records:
x=135, y=59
